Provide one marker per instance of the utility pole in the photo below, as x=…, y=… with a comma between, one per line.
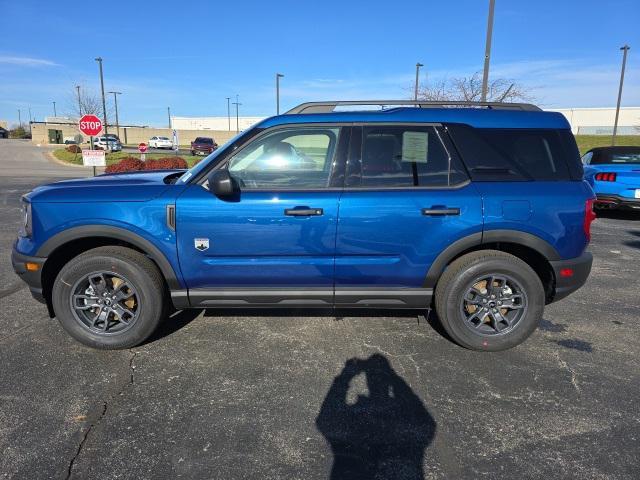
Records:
x=237, y=104
x=30, y=120
x=487, y=51
x=19, y=118
x=55, y=114
x=104, y=103
x=229, y=112
x=115, y=101
x=79, y=102
x=624, y=49
x=415, y=91
x=278, y=77
x=169, y=115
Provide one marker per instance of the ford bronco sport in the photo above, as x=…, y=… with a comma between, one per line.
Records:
x=477, y=209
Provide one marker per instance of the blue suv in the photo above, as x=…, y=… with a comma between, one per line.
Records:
x=479, y=210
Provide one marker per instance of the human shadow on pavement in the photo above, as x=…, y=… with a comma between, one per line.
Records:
x=382, y=435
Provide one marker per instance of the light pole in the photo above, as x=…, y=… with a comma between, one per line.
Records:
x=278, y=77
x=624, y=49
x=104, y=103
x=79, y=102
x=487, y=51
x=415, y=91
x=115, y=101
x=237, y=104
x=29, y=119
x=169, y=115
x=229, y=112
x=19, y=118
x=55, y=114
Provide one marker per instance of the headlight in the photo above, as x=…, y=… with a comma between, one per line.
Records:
x=26, y=229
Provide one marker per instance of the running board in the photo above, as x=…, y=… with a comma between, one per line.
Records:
x=343, y=297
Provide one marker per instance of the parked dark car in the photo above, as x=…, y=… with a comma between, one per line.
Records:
x=4, y=133
x=203, y=146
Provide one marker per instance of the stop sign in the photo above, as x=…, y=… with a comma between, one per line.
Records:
x=90, y=125
x=142, y=147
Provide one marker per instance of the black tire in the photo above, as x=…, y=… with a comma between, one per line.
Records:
x=132, y=266
x=459, y=278
x=193, y=153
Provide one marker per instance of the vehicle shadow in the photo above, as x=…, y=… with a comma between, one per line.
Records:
x=618, y=214
x=174, y=322
x=383, y=434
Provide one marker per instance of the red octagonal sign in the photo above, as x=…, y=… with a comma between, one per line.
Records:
x=90, y=125
x=142, y=147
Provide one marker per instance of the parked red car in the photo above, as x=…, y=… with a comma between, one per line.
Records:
x=203, y=145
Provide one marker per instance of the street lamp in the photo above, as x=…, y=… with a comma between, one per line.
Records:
x=237, y=104
x=79, y=102
x=19, y=118
x=415, y=91
x=169, y=115
x=55, y=114
x=104, y=103
x=487, y=51
x=624, y=49
x=229, y=112
x=115, y=101
x=278, y=77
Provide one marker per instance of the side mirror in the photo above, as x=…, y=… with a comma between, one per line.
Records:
x=221, y=183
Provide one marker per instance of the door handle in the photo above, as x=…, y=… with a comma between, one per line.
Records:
x=440, y=211
x=303, y=212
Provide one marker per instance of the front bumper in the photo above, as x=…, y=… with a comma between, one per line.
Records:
x=33, y=278
x=580, y=268
x=607, y=201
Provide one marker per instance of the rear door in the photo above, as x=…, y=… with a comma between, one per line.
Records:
x=407, y=197
x=274, y=244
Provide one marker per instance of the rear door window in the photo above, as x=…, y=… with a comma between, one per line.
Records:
x=404, y=156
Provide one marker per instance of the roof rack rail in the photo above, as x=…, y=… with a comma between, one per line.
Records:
x=328, y=107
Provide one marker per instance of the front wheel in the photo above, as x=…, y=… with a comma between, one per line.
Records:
x=489, y=300
x=109, y=297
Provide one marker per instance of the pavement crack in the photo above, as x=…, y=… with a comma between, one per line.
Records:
x=102, y=414
x=566, y=366
x=84, y=440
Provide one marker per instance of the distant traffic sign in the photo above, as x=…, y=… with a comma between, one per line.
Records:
x=90, y=125
x=142, y=147
x=93, y=158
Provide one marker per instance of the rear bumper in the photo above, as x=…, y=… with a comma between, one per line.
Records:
x=580, y=268
x=607, y=201
x=33, y=278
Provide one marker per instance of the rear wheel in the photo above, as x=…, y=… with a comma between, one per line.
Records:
x=109, y=297
x=489, y=300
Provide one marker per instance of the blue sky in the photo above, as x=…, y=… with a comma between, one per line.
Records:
x=192, y=55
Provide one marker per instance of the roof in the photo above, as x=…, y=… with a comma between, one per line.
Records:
x=475, y=117
x=616, y=148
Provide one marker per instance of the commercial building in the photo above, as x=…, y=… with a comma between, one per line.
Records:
x=599, y=121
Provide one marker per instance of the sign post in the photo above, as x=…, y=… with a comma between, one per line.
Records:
x=142, y=148
x=91, y=125
x=175, y=141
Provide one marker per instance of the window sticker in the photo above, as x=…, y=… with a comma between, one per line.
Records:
x=415, y=147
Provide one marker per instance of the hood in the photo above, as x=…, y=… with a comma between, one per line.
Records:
x=119, y=187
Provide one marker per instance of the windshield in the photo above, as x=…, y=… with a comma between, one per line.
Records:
x=163, y=138
x=621, y=155
x=198, y=167
x=204, y=140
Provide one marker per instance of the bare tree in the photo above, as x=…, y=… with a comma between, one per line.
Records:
x=87, y=102
x=469, y=89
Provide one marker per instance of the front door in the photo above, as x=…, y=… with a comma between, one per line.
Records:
x=406, y=199
x=274, y=244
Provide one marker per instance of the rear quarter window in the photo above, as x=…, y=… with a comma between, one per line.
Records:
x=495, y=154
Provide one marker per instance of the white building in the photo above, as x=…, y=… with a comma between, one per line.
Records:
x=599, y=121
x=213, y=123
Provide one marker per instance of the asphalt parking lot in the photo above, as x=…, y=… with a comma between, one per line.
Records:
x=214, y=395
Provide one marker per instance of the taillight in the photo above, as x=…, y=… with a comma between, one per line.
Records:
x=606, y=177
x=589, y=216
